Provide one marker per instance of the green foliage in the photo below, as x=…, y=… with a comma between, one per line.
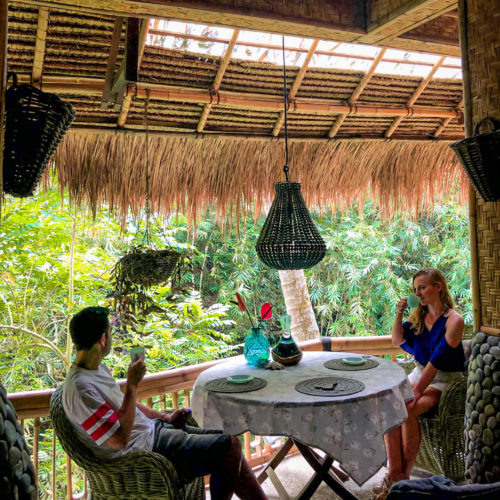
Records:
x=368, y=267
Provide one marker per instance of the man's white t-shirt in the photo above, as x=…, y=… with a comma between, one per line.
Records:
x=91, y=400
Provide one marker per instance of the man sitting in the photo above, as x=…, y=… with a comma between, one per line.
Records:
x=115, y=423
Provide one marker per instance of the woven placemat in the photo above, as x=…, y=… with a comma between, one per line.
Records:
x=338, y=364
x=329, y=386
x=222, y=385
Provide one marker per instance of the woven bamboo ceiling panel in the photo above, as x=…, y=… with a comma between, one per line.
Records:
x=325, y=103
x=354, y=129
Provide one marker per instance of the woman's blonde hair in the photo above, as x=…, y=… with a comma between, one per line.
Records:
x=418, y=314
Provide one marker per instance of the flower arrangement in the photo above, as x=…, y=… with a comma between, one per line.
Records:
x=266, y=311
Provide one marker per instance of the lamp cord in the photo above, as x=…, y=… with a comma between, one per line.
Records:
x=285, y=105
x=147, y=204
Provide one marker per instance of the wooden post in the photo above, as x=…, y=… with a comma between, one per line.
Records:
x=3, y=84
x=476, y=296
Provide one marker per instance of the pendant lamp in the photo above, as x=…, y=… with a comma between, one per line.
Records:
x=289, y=238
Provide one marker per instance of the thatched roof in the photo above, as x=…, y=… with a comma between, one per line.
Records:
x=215, y=121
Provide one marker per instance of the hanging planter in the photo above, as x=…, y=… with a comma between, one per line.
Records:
x=142, y=268
x=35, y=123
x=480, y=157
x=146, y=267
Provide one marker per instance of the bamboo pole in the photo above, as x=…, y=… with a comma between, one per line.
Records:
x=296, y=85
x=411, y=101
x=143, y=35
x=135, y=129
x=476, y=293
x=113, y=53
x=41, y=37
x=446, y=121
x=36, y=444
x=3, y=84
x=357, y=91
x=218, y=79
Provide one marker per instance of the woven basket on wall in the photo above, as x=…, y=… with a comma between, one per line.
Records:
x=35, y=123
x=480, y=157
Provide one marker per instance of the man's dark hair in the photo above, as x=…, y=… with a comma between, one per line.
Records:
x=87, y=326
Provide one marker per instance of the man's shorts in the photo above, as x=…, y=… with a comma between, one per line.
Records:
x=194, y=452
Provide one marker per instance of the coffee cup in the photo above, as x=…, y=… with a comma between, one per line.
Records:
x=138, y=350
x=413, y=301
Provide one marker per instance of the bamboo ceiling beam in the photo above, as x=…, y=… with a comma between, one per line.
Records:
x=274, y=19
x=113, y=53
x=411, y=101
x=218, y=79
x=41, y=37
x=277, y=18
x=446, y=121
x=296, y=85
x=357, y=92
x=128, y=68
x=137, y=129
x=406, y=17
x=259, y=102
x=143, y=35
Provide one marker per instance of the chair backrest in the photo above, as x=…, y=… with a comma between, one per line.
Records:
x=71, y=440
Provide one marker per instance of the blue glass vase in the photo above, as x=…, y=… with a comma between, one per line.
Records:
x=256, y=350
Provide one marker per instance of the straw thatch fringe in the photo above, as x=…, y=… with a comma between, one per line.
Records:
x=188, y=174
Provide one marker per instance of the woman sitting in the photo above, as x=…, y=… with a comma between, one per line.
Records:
x=433, y=335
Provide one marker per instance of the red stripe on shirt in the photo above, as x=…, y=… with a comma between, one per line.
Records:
x=106, y=425
x=96, y=416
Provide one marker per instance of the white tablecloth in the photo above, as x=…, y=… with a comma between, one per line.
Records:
x=349, y=428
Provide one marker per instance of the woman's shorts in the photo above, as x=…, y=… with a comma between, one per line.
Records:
x=438, y=382
x=194, y=452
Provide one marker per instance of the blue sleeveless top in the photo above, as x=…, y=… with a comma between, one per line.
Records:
x=432, y=346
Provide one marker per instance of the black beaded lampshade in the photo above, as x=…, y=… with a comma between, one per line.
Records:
x=289, y=238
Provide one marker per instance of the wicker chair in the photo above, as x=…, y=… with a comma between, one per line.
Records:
x=136, y=475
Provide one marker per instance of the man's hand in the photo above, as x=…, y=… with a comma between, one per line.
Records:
x=136, y=371
x=177, y=418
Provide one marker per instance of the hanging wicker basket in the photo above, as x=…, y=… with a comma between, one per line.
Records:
x=146, y=267
x=480, y=157
x=35, y=123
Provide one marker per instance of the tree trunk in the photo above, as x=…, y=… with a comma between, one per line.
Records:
x=298, y=305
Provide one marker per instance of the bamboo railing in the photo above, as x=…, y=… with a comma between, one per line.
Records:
x=166, y=389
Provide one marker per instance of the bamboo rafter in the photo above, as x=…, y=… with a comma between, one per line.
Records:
x=218, y=79
x=411, y=101
x=260, y=45
x=113, y=53
x=143, y=34
x=446, y=121
x=354, y=96
x=41, y=36
x=296, y=85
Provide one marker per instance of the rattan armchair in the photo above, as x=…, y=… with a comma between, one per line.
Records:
x=442, y=449
x=133, y=476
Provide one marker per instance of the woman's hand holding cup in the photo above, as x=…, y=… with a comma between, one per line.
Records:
x=402, y=305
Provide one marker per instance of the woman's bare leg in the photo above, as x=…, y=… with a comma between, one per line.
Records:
x=411, y=433
x=394, y=447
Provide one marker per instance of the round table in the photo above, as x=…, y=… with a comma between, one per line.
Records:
x=349, y=429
